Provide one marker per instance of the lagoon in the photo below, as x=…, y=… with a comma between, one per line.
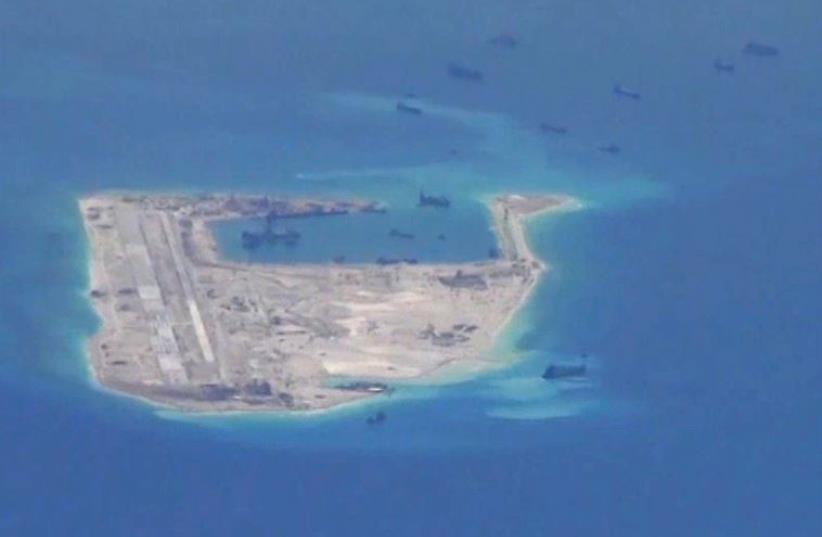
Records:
x=459, y=234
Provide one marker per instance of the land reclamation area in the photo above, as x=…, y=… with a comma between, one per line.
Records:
x=185, y=328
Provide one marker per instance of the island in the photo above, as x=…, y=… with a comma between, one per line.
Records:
x=186, y=329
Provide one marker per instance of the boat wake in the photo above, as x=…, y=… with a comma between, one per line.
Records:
x=532, y=398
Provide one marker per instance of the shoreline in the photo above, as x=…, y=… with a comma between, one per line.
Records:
x=567, y=203
x=510, y=216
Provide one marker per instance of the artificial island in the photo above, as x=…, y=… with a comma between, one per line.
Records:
x=184, y=328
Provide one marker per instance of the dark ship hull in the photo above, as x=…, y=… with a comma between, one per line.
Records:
x=559, y=371
x=433, y=201
x=403, y=108
x=621, y=91
x=465, y=73
x=758, y=49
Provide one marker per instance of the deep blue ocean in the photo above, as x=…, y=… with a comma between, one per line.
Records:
x=692, y=277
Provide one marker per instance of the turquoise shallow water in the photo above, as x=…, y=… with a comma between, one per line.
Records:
x=690, y=277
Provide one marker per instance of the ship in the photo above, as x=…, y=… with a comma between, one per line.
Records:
x=611, y=149
x=752, y=48
x=622, y=91
x=383, y=261
x=461, y=72
x=554, y=129
x=404, y=108
x=564, y=371
x=723, y=67
x=374, y=208
x=251, y=240
x=504, y=41
x=433, y=201
x=377, y=418
x=397, y=234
